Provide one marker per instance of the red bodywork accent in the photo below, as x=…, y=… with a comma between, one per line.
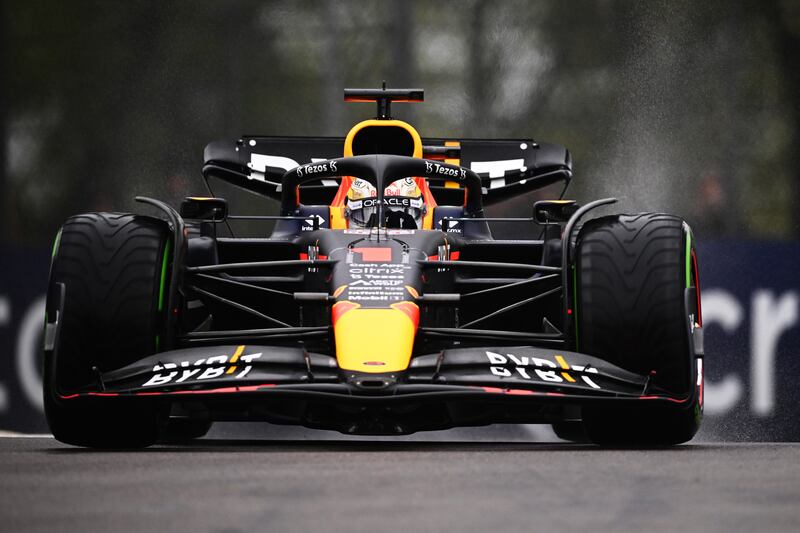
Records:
x=454, y=256
x=674, y=400
x=375, y=255
x=221, y=390
x=341, y=308
x=255, y=388
x=519, y=392
x=409, y=309
x=526, y=392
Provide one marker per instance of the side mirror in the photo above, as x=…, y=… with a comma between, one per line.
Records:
x=553, y=211
x=208, y=209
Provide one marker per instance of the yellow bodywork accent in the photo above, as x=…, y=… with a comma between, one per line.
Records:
x=374, y=340
x=348, y=141
x=339, y=291
x=452, y=161
x=237, y=353
x=235, y=358
x=337, y=217
x=412, y=291
x=563, y=363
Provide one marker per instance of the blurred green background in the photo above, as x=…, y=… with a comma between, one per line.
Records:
x=681, y=106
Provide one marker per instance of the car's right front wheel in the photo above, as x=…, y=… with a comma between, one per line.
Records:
x=111, y=270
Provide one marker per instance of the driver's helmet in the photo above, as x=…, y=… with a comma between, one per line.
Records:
x=404, y=206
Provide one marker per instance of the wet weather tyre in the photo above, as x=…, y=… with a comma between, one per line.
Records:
x=113, y=269
x=571, y=431
x=632, y=273
x=179, y=430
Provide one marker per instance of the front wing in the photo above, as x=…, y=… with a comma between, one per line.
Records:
x=456, y=387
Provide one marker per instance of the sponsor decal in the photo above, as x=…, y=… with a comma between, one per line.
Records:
x=442, y=170
x=260, y=162
x=378, y=230
x=539, y=369
x=202, y=369
x=316, y=168
x=402, y=187
x=376, y=282
x=308, y=224
x=497, y=169
x=450, y=226
x=390, y=201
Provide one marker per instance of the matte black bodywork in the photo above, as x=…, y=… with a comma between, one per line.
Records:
x=495, y=340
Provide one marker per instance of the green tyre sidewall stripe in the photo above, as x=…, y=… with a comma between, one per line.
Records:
x=688, y=257
x=162, y=285
x=56, y=244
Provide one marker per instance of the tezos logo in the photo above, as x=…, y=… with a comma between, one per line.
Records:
x=316, y=168
x=436, y=168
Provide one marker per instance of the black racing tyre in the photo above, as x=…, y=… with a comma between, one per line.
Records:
x=114, y=269
x=631, y=275
x=182, y=430
x=570, y=430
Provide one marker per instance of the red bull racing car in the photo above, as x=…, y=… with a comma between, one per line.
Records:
x=379, y=303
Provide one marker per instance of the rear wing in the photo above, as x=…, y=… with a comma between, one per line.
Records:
x=507, y=168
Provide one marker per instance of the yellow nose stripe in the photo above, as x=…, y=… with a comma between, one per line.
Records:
x=374, y=340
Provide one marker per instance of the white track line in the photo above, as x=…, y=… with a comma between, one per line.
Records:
x=15, y=435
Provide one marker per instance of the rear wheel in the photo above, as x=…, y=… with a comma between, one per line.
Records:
x=113, y=268
x=632, y=274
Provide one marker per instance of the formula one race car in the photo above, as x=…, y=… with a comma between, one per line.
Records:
x=379, y=304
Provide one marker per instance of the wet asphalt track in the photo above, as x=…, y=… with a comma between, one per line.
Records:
x=223, y=485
